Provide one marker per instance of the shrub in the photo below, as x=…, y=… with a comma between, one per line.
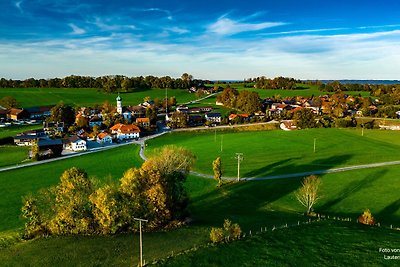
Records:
x=366, y=218
x=216, y=235
x=228, y=232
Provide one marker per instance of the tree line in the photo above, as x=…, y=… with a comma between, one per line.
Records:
x=283, y=83
x=245, y=101
x=110, y=83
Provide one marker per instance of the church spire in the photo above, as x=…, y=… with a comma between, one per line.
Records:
x=119, y=104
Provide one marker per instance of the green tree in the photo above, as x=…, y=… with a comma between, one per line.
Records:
x=308, y=193
x=305, y=118
x=248, y=102
x=178, y=120
x=62, y=113
x=217, y=168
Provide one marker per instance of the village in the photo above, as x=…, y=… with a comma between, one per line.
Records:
x=93, y=128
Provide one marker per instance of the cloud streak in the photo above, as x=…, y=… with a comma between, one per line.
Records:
x=226, y=26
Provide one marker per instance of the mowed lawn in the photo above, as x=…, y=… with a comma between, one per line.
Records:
x=12, y=155
x=30, y=97
x=15, y=184
x=279, y=152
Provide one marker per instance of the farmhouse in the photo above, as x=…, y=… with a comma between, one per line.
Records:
x=104, y=138
x=125, y=132
x=25, y=140
x=95, y=121
x=143, y=122
x=75, y=143
x=213, y=117
x=16, y=114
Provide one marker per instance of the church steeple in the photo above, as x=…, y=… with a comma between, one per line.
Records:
x=119, y=104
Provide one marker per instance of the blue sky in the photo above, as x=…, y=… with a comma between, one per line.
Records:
x=208, y=39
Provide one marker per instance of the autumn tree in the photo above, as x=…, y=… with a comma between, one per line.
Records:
x=248, y=102
x=62, y=113
x=8, y=102
x=178, y=120
x=308, y=193
x=73, y=213
x=217, y=168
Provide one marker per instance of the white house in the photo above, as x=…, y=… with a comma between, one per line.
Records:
x=213, y=117
x=75, y=143
x=104, y=138
x=125, y=132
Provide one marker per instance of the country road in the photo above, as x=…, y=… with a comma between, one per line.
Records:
x=142, y=141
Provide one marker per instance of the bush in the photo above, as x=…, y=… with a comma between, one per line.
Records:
x=228, y=232
x=366, y=218
x=216, y=235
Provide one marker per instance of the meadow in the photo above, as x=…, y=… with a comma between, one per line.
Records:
x=302, y=90
x=32, y=97
x=279, y=152
x=252, y=204
x=13, y=155
x=16, y=129
x=109, y=164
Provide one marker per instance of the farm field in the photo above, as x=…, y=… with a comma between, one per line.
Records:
x=109, y=164
x=304, y=90
x=13, y=130
x=252, y=204
x=29, y=97
x=13, y=155
x=279, y=152
x=319, y=244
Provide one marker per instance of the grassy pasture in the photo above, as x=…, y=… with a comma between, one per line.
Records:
x=17, y=183
x=319, y=244
x=12, y=155
x=16, y=129
x=302, y=90
x=279, y=152
x=252, y=204
x=29, y=97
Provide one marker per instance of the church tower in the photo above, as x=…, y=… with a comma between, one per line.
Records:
x=119, y=104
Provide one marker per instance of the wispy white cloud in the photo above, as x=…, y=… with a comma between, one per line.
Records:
x=155, y=9
x=226, y=26
x=18, y=5
x=108, y=24
x=304, y=31
x=177, y=30
x=76, y=30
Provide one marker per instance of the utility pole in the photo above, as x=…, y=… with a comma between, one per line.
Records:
x=166, y=103
x=239, y=157
x=141, y=242
x=222, y=139
x=215, y=135
x=315, y=143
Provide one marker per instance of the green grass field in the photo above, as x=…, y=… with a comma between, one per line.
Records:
x=303, y=90
x=17, y=183
x=12, y=155
x=29, y=97
x=319, y=244
x=252, y=204
x=280, y=152
x=16, y=129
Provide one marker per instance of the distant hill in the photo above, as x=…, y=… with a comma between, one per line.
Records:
x=363, y=81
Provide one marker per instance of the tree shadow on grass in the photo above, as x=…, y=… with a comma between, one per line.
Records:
x=243, y=203
x=286, y=167
x=353, y=188
x=389, y=212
